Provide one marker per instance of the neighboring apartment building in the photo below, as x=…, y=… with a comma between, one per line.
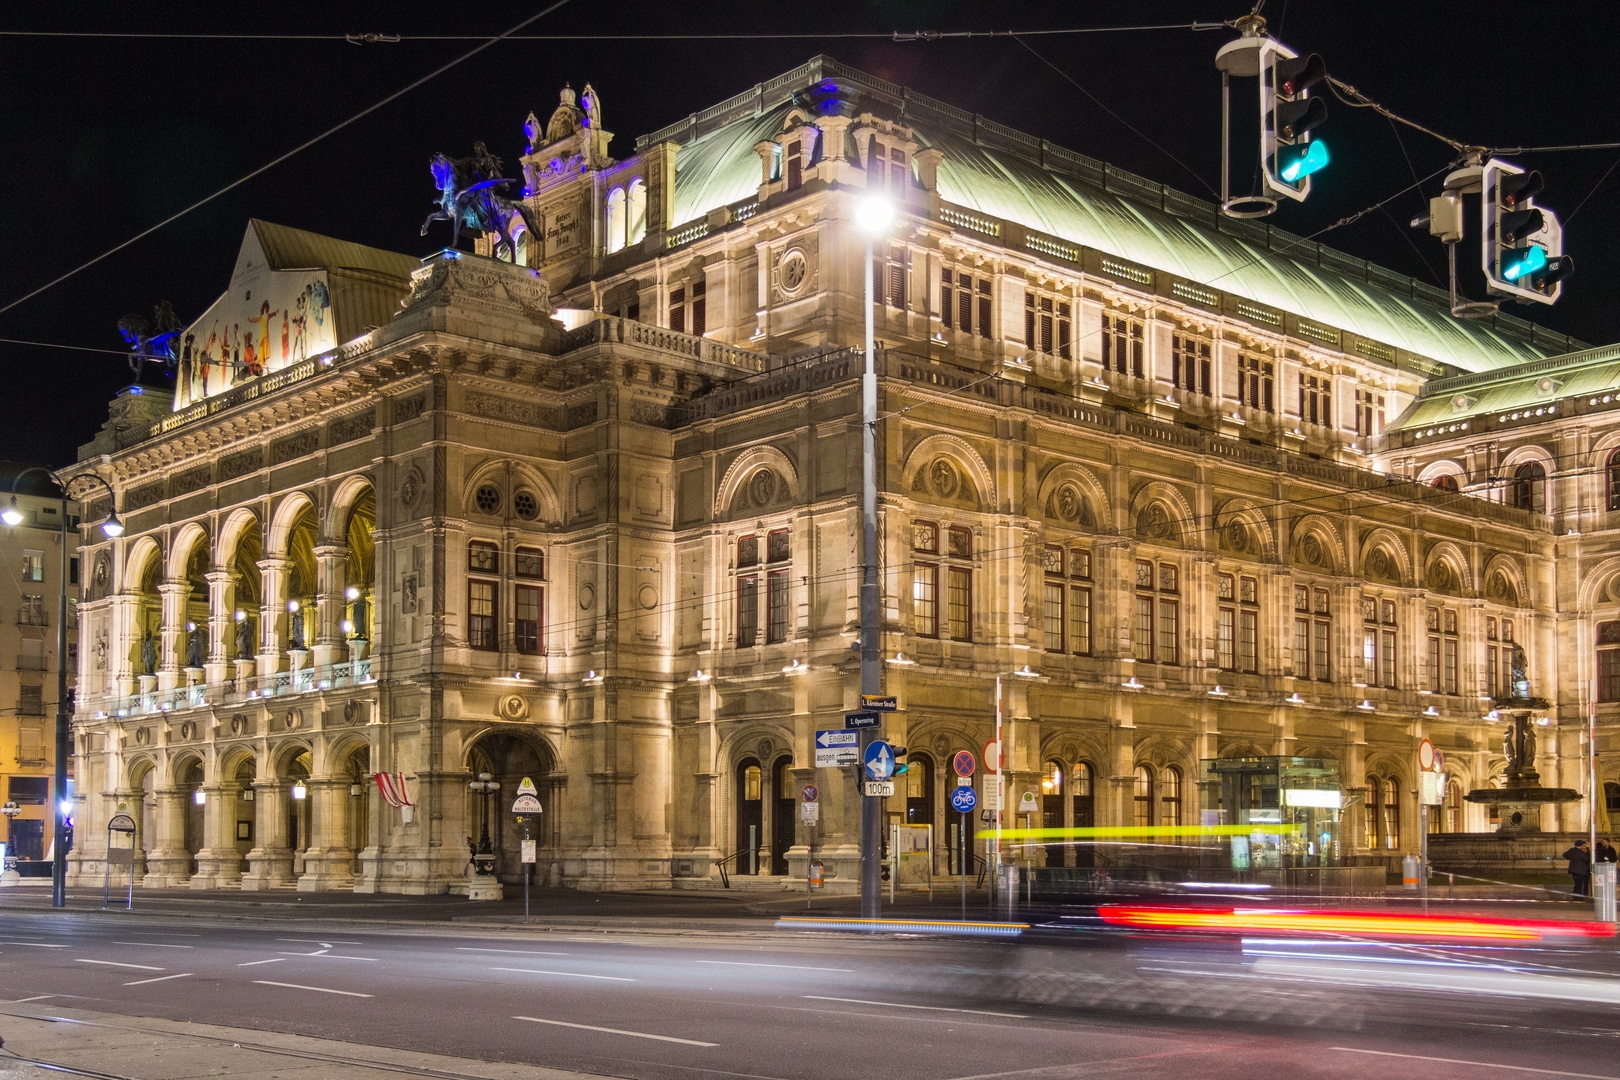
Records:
x=592, y=518
x=32, y=555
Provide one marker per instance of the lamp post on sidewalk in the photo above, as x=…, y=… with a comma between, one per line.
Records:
x=484, y=857
x=873, y=215
x=112, y=527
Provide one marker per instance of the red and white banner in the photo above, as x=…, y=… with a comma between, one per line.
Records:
x=392, y=786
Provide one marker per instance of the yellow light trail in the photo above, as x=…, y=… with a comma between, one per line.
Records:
x=1145, y=831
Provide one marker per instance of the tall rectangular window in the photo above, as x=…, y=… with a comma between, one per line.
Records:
x=33, y=567
x=1302, y=648
x=899, y=173
x=1226, y=622
x=747, y=610
x=776, y=596
x=1169, y=628
x=925, y=599
x=1369, y=412
x=1080, y=620
x=1608, y=661
x=1142, y=630
x=960, y=603
x=795, y=165
x=1316, y=399
x=481, y=625
x=964, y=302
x=700, y=307
x=1054, y=592
x=890, y=285
x=1249, y=640
x=1048, y=326
x=982, y=298
x=677, y=310
x=1256, y=383
x=1123, y=346
x=1190, y=366
x=527, y=624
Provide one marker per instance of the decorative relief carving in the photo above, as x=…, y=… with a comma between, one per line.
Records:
x=1235, y=537
x=187, y=482
x=241, y=464
x=762, y=487
x=188, y=731
x=354, y=713
x=411, y=488
x=143, y=736
x=409, y=408
x=241, y=725
x=353, y=427
x=101, y=578
x=294, y=719
x=1310, y=550
x=513, y=707
x=300, y=445
x=511, y=410
x=580, y=415
x=144, y=496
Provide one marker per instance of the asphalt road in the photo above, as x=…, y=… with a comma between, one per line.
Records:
x=819, y=1006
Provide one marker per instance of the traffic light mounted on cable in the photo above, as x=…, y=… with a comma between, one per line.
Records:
x=1288, y=113
x=1523, y=244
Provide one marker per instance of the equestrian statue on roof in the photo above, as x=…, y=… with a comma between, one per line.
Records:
x=470, y=195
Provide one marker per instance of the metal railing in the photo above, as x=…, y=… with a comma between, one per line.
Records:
x=235, y=691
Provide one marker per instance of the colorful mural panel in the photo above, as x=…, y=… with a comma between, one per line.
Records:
x=269, y=320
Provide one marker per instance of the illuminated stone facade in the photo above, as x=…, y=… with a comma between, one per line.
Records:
x=591, y=519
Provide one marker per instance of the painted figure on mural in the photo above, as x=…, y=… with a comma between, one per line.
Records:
x=300, y=321
x=235, y=334
x=285, y=319
x=263, y=318
x=208, y=356
x=319, y=301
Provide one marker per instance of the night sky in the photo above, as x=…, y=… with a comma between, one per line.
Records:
x=106, y=137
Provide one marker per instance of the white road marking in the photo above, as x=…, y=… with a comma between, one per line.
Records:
x=1476, y=1064
x=154, y=944
x=570, y=974
x=322, y=944
x=515, y=952
x=930, y=1008
x=272, y=960
x=37, y=997
x=33, y=944
x=317, y=989
x=616, y=1031
x=160, y=978
x=114, y=963
x=790, y=967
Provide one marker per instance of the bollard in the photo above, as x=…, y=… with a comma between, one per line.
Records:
x=1603, y=891
x=1409, y=873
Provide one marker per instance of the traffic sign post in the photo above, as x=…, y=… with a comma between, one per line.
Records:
x=878, y=760
x=963, y=800
x=526, y=807
x=810, y=814
x=837, y=748
x=963, y=763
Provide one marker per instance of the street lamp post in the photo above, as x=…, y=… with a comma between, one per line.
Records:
x=112, y=527
x=873, y=215
x=484, y=857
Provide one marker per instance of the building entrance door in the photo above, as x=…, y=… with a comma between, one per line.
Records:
x=750, y=816
x=783, y=806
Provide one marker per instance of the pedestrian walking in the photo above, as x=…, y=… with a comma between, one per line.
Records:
x=1580, y=867
x=1605, y=851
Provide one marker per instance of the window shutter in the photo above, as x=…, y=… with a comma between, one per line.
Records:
x=699, y=309
x=945, y=299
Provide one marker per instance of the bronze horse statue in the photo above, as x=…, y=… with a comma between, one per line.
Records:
x=470, y=195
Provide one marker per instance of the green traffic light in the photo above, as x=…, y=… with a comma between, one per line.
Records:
x=1295, y=163
x=1522, y=262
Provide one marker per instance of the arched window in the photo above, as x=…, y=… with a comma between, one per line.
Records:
x=1392, y=815
x=636, y=212
x=1529, y=489
x=1375, y=816
x=1170, y=796
x=1453, y=810
x=615, y=219
x=1445, y=482
x=1144, y=795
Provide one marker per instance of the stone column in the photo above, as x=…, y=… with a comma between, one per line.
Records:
x=272, y=612
x=270, y=861
x=218, y=864
x=328, y=861
x=168, y=863
x=173, y=594
x=325, y=637
x=221, y=624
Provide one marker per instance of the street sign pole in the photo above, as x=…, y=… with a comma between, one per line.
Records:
x=995, y=869
x=961, y=861
x=871, y=604
x=525, y=807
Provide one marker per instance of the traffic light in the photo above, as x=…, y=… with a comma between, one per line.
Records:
x=1288, y=113
x=1523, y=246
x=899, y=754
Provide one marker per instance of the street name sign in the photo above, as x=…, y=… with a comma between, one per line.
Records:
x=835, y=748
x=878, y=703
x=855, y=720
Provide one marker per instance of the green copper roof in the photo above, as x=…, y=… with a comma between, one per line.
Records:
x=1529, y=386
x=1005, y=174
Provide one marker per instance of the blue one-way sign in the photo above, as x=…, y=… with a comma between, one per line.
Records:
x=879, y=761
x=835, y=748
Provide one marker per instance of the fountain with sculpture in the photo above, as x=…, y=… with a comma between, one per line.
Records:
x=1521, y=796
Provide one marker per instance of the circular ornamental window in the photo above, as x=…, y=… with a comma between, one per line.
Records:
x=488, y=499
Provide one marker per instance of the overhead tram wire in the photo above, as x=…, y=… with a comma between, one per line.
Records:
x=394, y=39
x=435, y=73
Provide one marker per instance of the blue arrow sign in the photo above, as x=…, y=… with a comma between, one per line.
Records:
x=964, y=800
x=879, y=761
x=827, y=739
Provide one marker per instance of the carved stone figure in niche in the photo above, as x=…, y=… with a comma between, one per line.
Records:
x=1440, y=577
x=762, y=488
x=361, y=618
x=244, y=640
x=149, y=654
x=101, y=650
x=295, y=628
x=1152, y=523
x=1310, y=550
x=1068, y=503
x=1236, y=537
x=196, y=642
x=1378, y=564
x=407, y=595
x=943, y=476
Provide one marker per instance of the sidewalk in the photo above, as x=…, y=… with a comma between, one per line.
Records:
x=154, y=1049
